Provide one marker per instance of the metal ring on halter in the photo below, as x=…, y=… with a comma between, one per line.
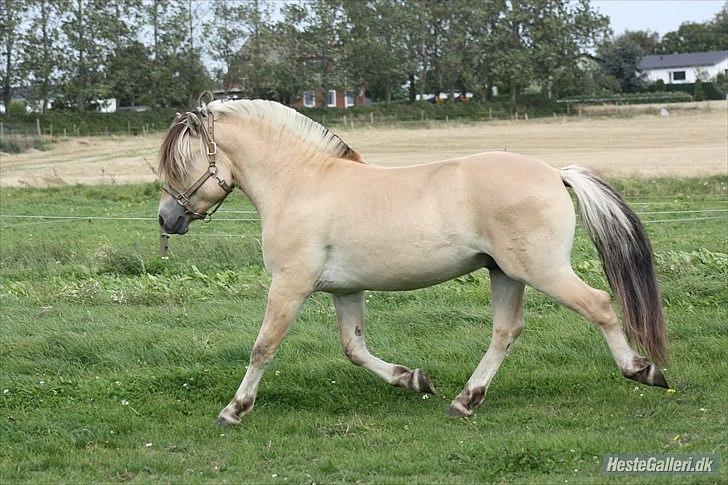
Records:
x=202, y=95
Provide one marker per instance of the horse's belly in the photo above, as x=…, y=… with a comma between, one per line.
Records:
x=399, y=270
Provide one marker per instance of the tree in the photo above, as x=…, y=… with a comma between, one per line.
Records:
x=227, y=36
x=39, y=47
x=288, y=73
x=513, y=61
x=647, y=40
x=698, y=37
x=84, y=52
x=559, y=33
x=620, y=57
x=416, y=16
x=373, y=44
x=10, y=21
x=698, y=93
x=129, y=73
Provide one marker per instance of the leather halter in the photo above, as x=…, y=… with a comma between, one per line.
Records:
x=183, y=198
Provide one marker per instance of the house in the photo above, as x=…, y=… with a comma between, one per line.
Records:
x=229, y=92
x=331, y=98
x=684, y=68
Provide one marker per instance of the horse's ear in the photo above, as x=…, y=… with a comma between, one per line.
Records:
x=193, y=122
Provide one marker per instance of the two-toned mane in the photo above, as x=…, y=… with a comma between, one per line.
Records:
x=343, y=228
x=176, y=149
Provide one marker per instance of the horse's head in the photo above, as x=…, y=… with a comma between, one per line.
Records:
x=197, y=178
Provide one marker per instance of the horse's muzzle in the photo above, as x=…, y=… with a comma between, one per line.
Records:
x=173, y=219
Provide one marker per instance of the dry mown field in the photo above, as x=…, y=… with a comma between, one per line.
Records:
x=686, y=143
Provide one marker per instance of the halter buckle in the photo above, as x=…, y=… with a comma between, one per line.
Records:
x=183, y=200
x=212, y=148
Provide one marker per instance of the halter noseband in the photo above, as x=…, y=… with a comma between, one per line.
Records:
x=183, y=198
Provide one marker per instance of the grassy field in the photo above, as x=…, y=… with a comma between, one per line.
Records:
x=115, y=362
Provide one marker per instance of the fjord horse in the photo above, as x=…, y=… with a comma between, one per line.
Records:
x=332, y=223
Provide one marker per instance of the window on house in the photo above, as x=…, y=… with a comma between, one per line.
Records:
x=349, y=100
x=331, y=98
x=678, y=75
x=309, y=99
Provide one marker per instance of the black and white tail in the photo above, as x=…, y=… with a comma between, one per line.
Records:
x=626, y=256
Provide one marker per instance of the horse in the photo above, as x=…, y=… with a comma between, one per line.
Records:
x=332, y=223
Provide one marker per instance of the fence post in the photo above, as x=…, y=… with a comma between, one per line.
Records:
x=490, y=112
x=51, y=130
x=525, y=115
x=422, y=115
x=163, y=243
x=371, y=118
x=447, y=119
x=344, y=118
x=37, y=126
x=2, y=130
x=128, y=126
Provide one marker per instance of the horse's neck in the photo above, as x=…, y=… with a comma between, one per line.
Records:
x=268, y=165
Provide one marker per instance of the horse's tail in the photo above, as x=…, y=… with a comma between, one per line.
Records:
x=626, y=257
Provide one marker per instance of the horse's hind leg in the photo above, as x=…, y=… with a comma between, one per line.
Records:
x=350, y=314
x=507, y=326
x=566, y=287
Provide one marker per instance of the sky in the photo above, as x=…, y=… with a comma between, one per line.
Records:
x=660, y=16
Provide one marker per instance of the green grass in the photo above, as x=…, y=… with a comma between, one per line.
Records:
x=116, y=361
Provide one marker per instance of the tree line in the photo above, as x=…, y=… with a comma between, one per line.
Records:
x=153, y=52
x=620, y=55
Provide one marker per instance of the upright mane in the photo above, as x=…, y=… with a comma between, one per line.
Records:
x=281, y=115
x=176, y=151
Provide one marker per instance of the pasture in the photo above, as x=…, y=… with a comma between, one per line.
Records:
x=691, y=141
x=115, y=362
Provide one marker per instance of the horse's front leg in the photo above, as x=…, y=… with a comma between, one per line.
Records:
x=284, y=300
x=350, y=314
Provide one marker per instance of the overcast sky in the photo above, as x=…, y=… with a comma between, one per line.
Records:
x=660, y=16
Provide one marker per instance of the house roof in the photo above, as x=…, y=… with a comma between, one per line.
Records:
x=682, y=60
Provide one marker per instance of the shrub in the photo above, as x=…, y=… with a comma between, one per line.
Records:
x=698, y=93
x=122, y=262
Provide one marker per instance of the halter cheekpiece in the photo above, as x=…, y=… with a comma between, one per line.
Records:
x=208, y=137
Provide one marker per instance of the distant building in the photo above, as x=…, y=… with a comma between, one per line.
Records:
x=229, y=93
x=684, y=68
x=331, y=98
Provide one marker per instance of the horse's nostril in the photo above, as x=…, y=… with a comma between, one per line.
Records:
x=161, y=221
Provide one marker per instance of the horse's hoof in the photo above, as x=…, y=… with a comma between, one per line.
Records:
x=224, y=420
x=457, y=410
x=422, y=382
x=650, y=375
